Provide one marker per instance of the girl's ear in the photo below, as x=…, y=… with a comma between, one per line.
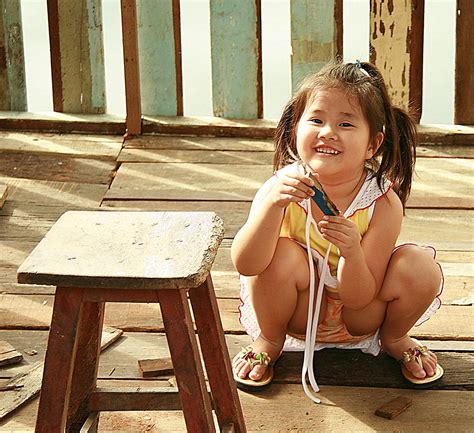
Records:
x=375, y=144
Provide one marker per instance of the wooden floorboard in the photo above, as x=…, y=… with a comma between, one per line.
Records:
x=283, y=407
x=103, y=147
x=60, y=172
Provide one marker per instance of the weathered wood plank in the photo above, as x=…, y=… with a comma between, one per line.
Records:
x=3, y=194
x=56, y=168
x=344, y=409
x=423, y=226
x=84, y=146
x=464, y=70
x=28, y=194
x=77, y=56
x=144, y=250
x=236, y=58
x=195, y=156
x=131, y=66
x=8, y=354
x=207, y=126
x=314, y=36
x=170, y=142
x=34, y=312
x=439, y=178
x=396, y=48
x=120, y=362
x=62, y=123
x=203, y=153
x=158, y=49
x=12, y=69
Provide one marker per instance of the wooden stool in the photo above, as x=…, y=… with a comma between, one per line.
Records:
x=99, y=256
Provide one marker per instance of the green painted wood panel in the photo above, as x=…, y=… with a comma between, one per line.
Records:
x=156, y=47
x=12, y=62
x=78, y=62
x=313, y=36
x=236, y=58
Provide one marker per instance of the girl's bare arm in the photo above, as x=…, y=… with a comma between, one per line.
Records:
x=254, y=245
x=363, y=263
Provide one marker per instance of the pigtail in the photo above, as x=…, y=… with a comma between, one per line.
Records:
x=401, y=165
x=284, y=137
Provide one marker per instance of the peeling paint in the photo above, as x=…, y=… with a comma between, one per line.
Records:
x=391, y=49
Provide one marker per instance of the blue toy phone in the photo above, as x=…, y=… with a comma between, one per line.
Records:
x=322, y=200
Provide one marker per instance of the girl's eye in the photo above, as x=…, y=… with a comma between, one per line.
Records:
x=317, y=121
x=346, y=124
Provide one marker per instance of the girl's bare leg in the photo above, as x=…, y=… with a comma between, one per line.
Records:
x=411, y=283
x=279, y=296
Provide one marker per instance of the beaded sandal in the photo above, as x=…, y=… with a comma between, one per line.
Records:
x=254, y=359
x=415, y=354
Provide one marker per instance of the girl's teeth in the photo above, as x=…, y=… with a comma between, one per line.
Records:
x=329, y=151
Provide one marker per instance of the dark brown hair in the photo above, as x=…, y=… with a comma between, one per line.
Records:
x=395, y=158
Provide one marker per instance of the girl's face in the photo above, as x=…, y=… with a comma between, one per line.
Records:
x=332, y=137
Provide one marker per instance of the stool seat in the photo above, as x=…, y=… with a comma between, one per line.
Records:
x=144, y=250
x=94, y=257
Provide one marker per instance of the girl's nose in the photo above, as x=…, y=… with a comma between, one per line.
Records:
x=327, y=132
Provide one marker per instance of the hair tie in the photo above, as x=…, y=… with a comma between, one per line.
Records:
x=361, y=68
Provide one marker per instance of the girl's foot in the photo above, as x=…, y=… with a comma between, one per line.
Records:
x=242, y=368
x=396, y=349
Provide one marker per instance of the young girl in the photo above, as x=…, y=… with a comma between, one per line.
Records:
x=341, y=129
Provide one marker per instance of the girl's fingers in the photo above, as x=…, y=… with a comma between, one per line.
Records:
x=334, y=234
x=297, y=184
x=289, y=190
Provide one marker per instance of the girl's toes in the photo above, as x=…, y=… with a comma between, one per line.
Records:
x=415, y=369
x=243, y=370
x=257, y=372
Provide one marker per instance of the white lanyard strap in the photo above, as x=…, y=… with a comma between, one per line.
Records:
x=313, y=317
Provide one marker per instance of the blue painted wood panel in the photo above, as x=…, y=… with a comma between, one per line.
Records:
x=12, y=62
x=235, y=58
x=313, y=36
x=156, y=47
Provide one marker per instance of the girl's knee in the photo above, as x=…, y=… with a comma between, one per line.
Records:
x=289, y=263
x=417, y=271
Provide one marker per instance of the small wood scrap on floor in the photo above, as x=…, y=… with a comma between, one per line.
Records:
x=3, y=194
x=8, y=354
x=27, y=384
x=155, y=367
x=394, y=407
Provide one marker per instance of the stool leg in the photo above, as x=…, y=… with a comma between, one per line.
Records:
x=186, y=360
x=59, y=361
x=84, y=376
x=216, y=356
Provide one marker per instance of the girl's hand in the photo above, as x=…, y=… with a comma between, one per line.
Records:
x=342, y=233
x=290, y=187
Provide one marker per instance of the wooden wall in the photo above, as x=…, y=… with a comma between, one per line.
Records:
x=152, y=54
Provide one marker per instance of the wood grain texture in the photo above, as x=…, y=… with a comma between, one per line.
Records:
x=235, y=57
x=314, y=36
x=59, y=361
x=158, y=63
x=284, y=406
x=132, y=250
x=216, y=358
x=464, y=68
x=77, y=56
x=187, y=364
x=101, y=147
x=396, y=48
x=131, y=66
x=12, y=61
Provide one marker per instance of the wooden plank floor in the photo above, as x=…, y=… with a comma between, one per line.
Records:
x=48, y=174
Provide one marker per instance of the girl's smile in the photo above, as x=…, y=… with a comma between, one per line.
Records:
x=333, y=136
